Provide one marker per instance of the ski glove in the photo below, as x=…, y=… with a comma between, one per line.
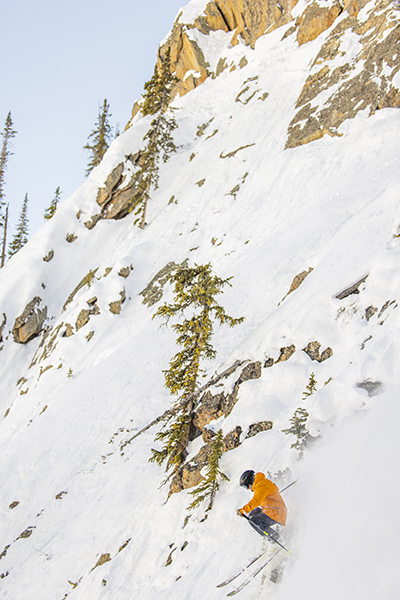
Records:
x=239, y=512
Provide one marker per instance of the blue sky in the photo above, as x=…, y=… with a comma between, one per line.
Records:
x=60, y=59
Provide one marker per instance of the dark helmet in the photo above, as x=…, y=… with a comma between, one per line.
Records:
x=247, y=479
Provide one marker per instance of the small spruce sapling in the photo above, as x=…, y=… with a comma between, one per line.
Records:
x=299, y=419
x=160, y=143
x=196, y=289
x=21, y=235
x=208, y=488
x=50, y=212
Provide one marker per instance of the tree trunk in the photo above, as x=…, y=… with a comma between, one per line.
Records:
x=3, y=253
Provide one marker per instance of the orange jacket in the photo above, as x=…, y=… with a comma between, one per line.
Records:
x=268, y=498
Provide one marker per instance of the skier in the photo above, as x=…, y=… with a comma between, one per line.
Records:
x=266, y=508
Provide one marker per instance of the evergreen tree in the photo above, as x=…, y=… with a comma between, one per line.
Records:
x=20, y=238
x=298, y=421
x=196, y=289
x=8, y=134
x=208, y=488
x=49, y=212
x=99, y=140
x=160, y=143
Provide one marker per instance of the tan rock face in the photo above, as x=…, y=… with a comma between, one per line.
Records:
x=30, y=323
x=315, y=20
x=248, y=19
x=358, y=82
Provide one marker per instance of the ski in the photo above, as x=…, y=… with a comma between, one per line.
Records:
x=251, y=577
x=220, y=585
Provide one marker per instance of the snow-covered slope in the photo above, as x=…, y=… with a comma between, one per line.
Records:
x=82, y=513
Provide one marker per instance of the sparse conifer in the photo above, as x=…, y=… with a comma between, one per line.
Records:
x=8, y=134
x=298, y=421
x=99, y=140
x=196, y=289
x=21, y=235
x=49, y=212
x=210, y=485
x=160, y=143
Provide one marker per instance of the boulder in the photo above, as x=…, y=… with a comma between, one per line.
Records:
x=71, y=237
x=49, y=256
x=250, y=371
x=258, y=427
x=312, y=349
x=125, y=272
x=30, y=323
x=115, y=307
x=286, y=353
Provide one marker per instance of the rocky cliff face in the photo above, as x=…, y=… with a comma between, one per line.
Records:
x=341, y=82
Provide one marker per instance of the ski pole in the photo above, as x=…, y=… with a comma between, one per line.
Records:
x=290, y=485
x=264, y=532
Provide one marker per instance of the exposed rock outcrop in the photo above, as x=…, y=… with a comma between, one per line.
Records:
x=312, y=349
x=115, y=307
x=47, y=344
x=115, y=200
x=258, y=427
x=358, y=79
x=286, y=353
x=4, y=321
x=212, y=407
x=30, y=323
x=86, y=280
x=247, y=19
x=82, y=319
x=297, y=281
x=49, y=256
x=153, y=292
x=315, y=20
x=352, y=289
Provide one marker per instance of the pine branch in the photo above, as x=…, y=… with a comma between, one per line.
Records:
x=172, y=411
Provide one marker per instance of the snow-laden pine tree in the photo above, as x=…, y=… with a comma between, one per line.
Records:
x=21, y=234
x=196, y=289
x=207, y=489
x=160, y=143
x=99, y=139
x=8, y=134
x=50, y=211
x=298, y=421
